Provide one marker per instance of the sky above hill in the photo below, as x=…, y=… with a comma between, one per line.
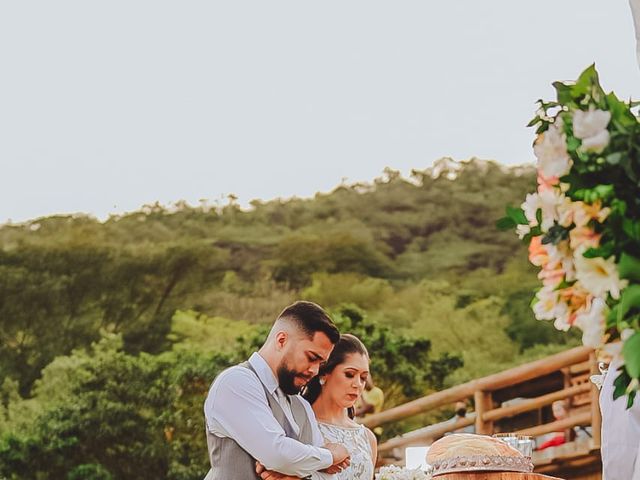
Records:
x=106, y=106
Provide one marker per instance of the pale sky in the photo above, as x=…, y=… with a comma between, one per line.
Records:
x=106, y=106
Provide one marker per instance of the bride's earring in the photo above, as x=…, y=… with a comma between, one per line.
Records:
x=322, y=381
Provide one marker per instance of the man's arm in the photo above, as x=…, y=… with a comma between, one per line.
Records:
x=238, y=405
x=319, y=441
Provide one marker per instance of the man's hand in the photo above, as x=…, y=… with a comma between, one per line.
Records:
x=339, y=467
x=341, y=457
x=271, y=475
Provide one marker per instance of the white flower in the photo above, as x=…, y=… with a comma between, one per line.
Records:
x=522, y=230
x=551, y=203
x=530, y=207
x=549, y=306
x=551, y=150
x=599, y=276
x=592, y=323
x=391, y=472
x=591, y=128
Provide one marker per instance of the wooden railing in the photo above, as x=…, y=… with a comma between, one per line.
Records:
x=486, y=414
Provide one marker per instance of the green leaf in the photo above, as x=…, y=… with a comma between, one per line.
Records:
x=630, y=399
x=573, y=144
x=629, y=267
x=604, y=251
x=517, y=215
x=534, y=121
x=612, y=317
x=619, y=206
x=506, y=223
x=588, y=83
x=620, y=383
x=539, y=216
x=564, y=284
x=631, y=354
x=599, y=192
x=563, y=92
x=630, y=299
x=631, y=228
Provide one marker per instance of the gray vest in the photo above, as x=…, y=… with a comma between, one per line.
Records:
x=230, y=462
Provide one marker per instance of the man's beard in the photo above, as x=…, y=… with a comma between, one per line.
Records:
x=286, y=380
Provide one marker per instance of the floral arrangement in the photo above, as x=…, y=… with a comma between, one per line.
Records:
x=582, y=224
x=391, y=472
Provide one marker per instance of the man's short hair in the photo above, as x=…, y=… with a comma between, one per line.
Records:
x=310, y=318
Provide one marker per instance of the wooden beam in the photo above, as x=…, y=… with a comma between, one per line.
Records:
x=583, y=418
x=427, y=434
x=490, y=383
x=534, y=403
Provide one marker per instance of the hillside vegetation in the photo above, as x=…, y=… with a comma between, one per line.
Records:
x=118, y=327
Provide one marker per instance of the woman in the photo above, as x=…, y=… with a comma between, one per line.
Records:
x=333, y=394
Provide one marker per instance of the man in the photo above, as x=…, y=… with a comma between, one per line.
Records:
x=254, y=414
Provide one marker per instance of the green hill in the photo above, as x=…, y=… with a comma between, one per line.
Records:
x=110, y=332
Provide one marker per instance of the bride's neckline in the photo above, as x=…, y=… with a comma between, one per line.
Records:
x=352, y=427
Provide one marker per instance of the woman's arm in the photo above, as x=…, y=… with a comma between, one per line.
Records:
x=374, y=448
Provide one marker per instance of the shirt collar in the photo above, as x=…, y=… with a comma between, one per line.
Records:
x=265, y=374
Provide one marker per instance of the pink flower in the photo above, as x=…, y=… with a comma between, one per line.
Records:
x=551, y=276
x=546, y=183
x=583, y=238
x=538, y=254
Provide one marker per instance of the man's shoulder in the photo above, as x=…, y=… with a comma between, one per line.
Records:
x=235, y=375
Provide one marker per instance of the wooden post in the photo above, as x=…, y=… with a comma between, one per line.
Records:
x=484, y=403
x=596, y=417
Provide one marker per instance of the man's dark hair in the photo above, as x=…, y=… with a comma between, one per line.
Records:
x=310, y=318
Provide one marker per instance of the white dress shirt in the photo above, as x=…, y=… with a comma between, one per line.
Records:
x=620, y=431
x=236, y=407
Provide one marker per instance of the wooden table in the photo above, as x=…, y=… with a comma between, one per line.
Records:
x=493, y=476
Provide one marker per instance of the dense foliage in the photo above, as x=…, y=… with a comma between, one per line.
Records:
x=110, y=332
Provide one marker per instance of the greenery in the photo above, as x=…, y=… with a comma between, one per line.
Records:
x=586, y=212
x=111, y=332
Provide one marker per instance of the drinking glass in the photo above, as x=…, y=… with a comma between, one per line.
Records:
x=522, y=443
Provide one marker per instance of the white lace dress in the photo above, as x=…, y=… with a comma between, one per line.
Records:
x=356, y=440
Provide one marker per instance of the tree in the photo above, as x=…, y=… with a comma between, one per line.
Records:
x=109, y=415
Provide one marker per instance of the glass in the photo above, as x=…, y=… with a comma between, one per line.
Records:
x=522, y=443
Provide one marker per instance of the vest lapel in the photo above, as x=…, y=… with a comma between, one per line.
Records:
x=278, y=413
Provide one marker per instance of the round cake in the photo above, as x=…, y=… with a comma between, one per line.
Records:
x=467, y=452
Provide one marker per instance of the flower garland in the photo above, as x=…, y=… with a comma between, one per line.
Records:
x=391, y=472
x=583, y=222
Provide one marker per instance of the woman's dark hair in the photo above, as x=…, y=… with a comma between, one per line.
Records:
x=347, y=345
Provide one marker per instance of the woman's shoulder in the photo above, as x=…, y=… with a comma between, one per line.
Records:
x=370, y=435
